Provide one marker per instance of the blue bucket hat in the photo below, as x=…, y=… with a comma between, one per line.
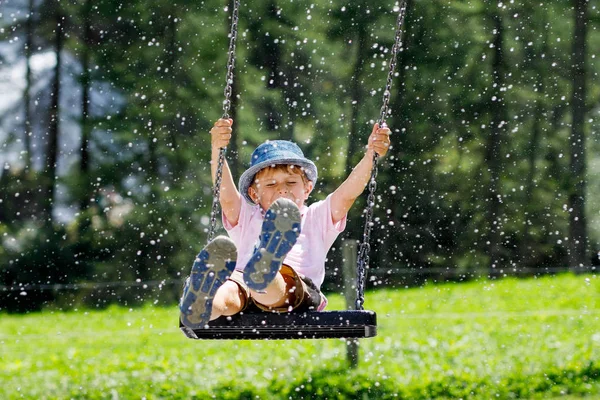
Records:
x=275, y=152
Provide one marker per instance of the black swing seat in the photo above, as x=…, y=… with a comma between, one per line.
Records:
x=306, y=325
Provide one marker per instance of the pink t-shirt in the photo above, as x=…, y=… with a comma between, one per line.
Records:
x=307, y=257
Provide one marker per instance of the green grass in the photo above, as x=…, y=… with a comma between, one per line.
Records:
x=534, y=338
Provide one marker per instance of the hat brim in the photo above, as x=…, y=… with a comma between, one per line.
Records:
x=245, y=182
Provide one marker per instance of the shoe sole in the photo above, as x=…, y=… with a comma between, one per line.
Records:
x=212, y=267
x=280, y=230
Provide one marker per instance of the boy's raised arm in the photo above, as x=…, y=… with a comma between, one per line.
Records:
x=229, y=196
x=346, y=194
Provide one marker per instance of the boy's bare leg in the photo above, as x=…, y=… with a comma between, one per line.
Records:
x=229, y=300
x=279, y=293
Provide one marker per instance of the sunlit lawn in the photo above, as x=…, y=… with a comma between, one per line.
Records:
x=508, y=338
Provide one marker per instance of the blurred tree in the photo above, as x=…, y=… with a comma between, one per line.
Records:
x=279, y=51
x=354, y=24
x=29, y=33
x=39, y=257
x=578, y=241
x=495, y=140
x=19, y=196
x=86, y=86
x=430, y=184
x=53, y=132
x=537, y=109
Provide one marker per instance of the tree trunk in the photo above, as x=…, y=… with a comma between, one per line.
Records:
x=28, y=83
x=399, y=121
x=152, y=172
x=172, y=122
x=356, y=93
x=54, y=126
x=577, y=220
x=84, y=166
x=272, y=58
x=399, y=112
x=529, y=181
x=494, y=147
x=534, y=144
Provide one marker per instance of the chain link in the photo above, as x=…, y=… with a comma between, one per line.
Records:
x=362, y=263
x=231, y=60
x=216, y=194
x=226, y=107
x=365, y=246
x=393, y=60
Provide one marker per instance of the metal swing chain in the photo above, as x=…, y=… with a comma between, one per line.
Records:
x=365, y=247
x=226, y=106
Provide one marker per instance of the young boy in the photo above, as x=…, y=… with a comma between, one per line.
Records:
x=274, y=259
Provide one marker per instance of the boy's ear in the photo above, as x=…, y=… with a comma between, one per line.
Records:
x=308, y=188
x=253, y=195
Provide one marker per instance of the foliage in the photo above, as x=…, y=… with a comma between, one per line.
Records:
x=36, y=255
x=533, y=338
x=313, y=72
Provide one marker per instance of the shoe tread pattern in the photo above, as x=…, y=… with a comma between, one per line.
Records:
x=210, y=270
x=280, y=231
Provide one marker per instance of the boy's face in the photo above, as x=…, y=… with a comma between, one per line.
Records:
x=271, y=184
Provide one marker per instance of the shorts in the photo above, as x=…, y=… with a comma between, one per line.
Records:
x=307, y=296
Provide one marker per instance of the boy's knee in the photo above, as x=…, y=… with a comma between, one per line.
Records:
x=229, y=298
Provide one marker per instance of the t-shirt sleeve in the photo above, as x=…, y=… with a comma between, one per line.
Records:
x=322, y=209
x=235, y=232
x=338, y=226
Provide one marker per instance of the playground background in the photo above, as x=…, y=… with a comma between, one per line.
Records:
x=490, y=189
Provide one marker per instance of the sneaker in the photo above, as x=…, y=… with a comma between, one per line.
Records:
x=212, y=267
x=280, y=230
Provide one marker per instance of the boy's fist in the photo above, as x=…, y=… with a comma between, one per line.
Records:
x=379, y=140
x=220, y=133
